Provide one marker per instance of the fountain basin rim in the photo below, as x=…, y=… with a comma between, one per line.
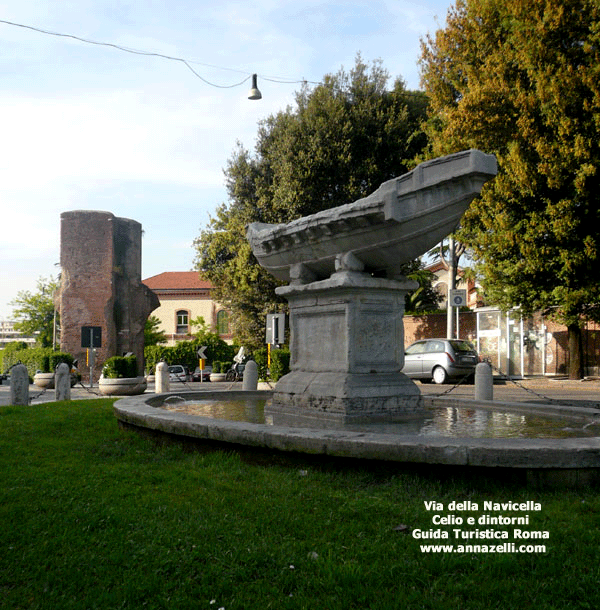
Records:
x=568, y=453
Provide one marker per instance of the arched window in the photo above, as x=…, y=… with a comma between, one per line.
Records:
x=183, y=322
x=222, y=322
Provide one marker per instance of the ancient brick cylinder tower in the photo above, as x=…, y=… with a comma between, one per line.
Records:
x=101, y=285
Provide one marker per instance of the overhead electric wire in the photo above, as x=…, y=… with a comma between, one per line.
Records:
x=185, y=62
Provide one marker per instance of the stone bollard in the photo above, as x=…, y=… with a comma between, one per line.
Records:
x=250, y=382
x=62, y=382
x=162, y=378
x=19, y=385
x=484, y=382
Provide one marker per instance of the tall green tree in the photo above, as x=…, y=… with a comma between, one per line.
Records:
x=34, y=312
x=153, y=335
x=340, y=141
x=521, y=79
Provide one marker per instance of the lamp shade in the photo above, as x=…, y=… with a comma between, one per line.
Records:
x=254, y=93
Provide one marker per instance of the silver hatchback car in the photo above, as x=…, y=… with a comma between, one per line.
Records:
x=440, y=360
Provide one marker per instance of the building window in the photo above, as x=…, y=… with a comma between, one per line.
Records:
x=183, y=322
x=222, y=322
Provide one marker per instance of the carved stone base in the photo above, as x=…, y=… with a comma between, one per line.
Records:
x=347, y=350
x=346, y=398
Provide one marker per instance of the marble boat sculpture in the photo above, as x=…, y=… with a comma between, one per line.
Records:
x=401, y=220
x=346, y=293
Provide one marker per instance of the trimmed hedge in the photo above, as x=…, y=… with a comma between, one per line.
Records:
x=43, y=359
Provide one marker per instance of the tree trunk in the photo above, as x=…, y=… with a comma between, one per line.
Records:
x=575, y=351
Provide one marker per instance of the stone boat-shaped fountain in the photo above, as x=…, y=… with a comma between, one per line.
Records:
x=346, y=292
x=401, y=220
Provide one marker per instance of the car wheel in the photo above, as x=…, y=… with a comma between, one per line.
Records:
x=440, y=375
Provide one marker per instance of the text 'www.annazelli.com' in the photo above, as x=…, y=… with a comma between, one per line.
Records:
x=499, y=526
x=506, y=547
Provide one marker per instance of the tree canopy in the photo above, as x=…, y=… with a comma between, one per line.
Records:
x=340, y=141
x=521, y=79
x=35, y=313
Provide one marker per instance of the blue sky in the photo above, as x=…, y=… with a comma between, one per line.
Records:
x=89, y=127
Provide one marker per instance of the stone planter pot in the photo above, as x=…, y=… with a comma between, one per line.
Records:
x=215, y=377
x=44, y=380
x=125, y=386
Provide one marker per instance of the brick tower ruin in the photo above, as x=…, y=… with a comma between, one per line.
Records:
x=101, y=285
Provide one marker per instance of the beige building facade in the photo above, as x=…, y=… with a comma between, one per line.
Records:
x=184, y=297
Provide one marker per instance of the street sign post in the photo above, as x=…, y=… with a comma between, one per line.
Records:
x=201, y=360
x=275, y=333
x=458, y=298
x=275, y=328
x=91, y=338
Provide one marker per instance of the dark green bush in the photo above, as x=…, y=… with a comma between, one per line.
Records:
x=260, y=356
x=36, y=359
x=119, y=367
x=280, y=363
x=220, y=366
x=56, y=358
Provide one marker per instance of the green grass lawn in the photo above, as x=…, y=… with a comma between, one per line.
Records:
x=95, y=517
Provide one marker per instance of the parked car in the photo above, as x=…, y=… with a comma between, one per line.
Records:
x=203, y=374
x=440, y=360
x=178, y=372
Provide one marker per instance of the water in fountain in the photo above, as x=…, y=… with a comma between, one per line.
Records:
x=438, y=421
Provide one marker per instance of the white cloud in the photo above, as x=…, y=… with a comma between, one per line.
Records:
x=106, y=135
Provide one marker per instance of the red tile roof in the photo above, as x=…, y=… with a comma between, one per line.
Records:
x=177, y=280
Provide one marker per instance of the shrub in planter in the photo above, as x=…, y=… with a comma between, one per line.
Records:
x=219, y=370
x=42, y=361
x=119, y=377
x=56, y=358
x=36, y=359
x=119, y=367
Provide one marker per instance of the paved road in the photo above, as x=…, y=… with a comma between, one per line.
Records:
x=535, y=390
x=585, y=393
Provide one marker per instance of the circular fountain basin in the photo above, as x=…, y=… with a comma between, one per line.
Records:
x=567, y=461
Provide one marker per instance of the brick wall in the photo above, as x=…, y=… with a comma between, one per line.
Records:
x=556, y=350
x=434, y=325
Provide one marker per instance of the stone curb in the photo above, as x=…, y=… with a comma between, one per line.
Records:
x=573, y=453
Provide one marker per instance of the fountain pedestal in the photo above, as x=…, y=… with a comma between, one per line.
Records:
x=347, y=346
